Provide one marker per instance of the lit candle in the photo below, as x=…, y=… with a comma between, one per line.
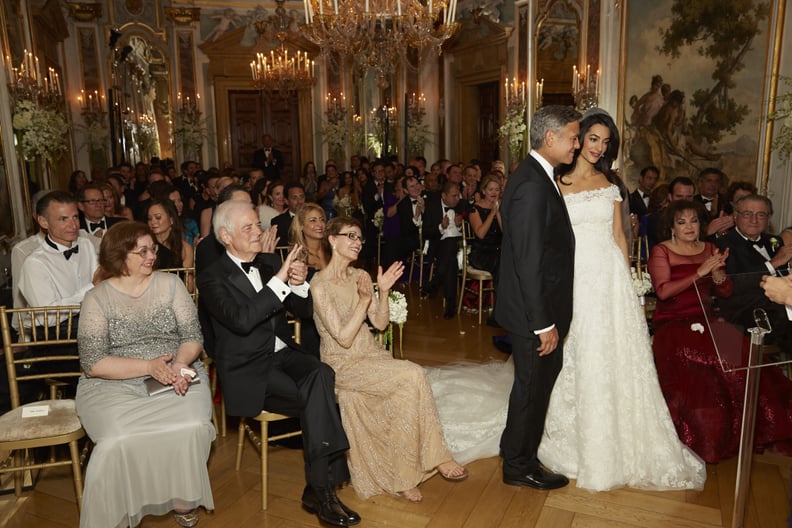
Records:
x=507, y=90
x=523, y=92
x=398, y=7
x=596, y=83
x=588, y=76
x=321, y=7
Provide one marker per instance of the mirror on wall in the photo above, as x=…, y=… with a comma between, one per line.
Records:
x=558, y=49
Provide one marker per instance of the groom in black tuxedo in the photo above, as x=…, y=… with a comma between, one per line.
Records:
x=259, y=364
x=534, y=293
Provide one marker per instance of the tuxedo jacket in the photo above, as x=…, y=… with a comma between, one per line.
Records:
x=637, y=205
x=537, y=255
x=271, y=168
x=744, y=258
x=245, y=325
x=283, y=222
x=409, y=233
x=110, y=221
x=717, y=205
x=433, y=216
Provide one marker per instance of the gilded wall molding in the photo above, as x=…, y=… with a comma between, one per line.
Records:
x=85, y=12
x=183, y=16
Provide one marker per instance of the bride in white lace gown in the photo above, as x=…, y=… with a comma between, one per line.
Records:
x=608, y=425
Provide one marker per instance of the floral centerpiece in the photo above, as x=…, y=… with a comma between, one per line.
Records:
x=783, y=115
x=513, y=130
x=42, y=131
x=379, y=219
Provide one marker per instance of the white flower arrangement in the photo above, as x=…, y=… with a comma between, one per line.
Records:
x=397, y=305
x=379, y=219
x=513, y=130
x=643, y=284
x=190, y=132
x=43, y=132
x=417, y=138
x=334, y=134
x=96, y=134
x=783, y=116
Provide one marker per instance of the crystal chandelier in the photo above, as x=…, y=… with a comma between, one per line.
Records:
x=376, y=34
x=277, y=71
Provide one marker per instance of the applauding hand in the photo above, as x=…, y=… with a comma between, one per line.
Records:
x=386, y=280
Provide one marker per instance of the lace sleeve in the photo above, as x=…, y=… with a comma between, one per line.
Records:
x=326, y=314
x=184, y=311
x=93, y=339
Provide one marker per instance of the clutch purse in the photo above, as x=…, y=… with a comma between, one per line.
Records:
x=154, y=387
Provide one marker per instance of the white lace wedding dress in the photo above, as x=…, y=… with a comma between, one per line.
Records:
x=608, y=425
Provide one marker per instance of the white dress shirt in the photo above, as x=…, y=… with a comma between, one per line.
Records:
x=278, y=287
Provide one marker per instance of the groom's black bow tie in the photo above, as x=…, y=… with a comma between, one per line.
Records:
x=247, y=265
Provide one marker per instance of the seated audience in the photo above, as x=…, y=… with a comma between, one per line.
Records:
x=22, y=250
x=205, y=222
x=639, y=198
x=172, y=250
x=709, y=183
x=259, y=364
x=150, y=452
x=189, y=226
x=442, y=227
x=704, y=400
x=113, y=206
x=274, y=205
x=347, y=199
x=753, y=250
x=680, y=188
x=91, y=203
x=485, y=222
x=387, y=407
x=736, y=191
x=295, y=198
x=77, y=181
x=308, y=180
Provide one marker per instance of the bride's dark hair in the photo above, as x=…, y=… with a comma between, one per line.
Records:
x=606, y=160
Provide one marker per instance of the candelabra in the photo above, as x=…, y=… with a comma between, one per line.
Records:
x=376, y=34
x=585, y=89
x=513, y=130
x=276, y=71
x=334, y=131
x=26, y=82
x=190, y=127
x=417, y=132
x=386, y=122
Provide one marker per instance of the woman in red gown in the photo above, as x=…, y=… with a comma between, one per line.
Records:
x=705, y=401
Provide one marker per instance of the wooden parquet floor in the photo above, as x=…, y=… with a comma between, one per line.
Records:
x=479, y=502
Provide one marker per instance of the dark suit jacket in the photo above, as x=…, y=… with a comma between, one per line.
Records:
x=748, y=294
x=110, y=221
x=283, y=223
x=409, y=235
x=637, y=205
x=537, y=255
x=433, y=216
x=271, y=168
x=717, y=207
x=245, y=325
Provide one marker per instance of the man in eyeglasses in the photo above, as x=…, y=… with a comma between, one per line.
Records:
x=91, y=202
x=753, y=250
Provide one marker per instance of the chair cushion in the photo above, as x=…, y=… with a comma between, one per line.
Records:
x=62, y=419
x=475, y=273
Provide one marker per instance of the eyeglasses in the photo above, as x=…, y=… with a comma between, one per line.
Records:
x=761, y=215
x=94, y=201
x=354, y=237
x=145, y=250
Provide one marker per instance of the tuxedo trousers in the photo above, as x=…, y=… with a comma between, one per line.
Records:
x=534, y=377
x=298, y=384
x=447, y=269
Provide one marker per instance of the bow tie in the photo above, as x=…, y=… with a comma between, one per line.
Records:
x=69, y=252
x=706, y=200
x=98, y=225
x=247, y=265
x=414, y=200
x=445, y=209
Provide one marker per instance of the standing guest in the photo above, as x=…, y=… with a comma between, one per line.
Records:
x=442, y=227
x=534, y=295
x=268, y=158
x=295, y=198
x=91, y=202
x=113, y=206
x=150, y=452
x=185, y=181
x=274, y=205
x=173, y=251
x=706, y=400
x=387, y=406
x=409, y=209
x=259, y=364
x=639, y=198
x=188, y=225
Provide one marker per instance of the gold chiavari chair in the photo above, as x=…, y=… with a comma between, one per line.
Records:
x=471, y=274
x=44, y=423
x=262, y=440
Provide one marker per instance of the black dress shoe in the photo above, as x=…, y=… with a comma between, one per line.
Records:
x=540, y=479
x=324, y=503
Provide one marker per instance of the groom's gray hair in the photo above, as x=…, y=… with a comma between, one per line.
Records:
x=550, y=118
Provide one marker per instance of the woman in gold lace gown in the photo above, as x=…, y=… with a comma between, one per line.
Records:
x=387, y=406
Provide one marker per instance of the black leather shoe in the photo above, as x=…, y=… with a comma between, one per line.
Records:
x=324, y=503
x=540, y=479
x=354, y=517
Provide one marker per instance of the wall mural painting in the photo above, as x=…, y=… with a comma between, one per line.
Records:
x=693, y=91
